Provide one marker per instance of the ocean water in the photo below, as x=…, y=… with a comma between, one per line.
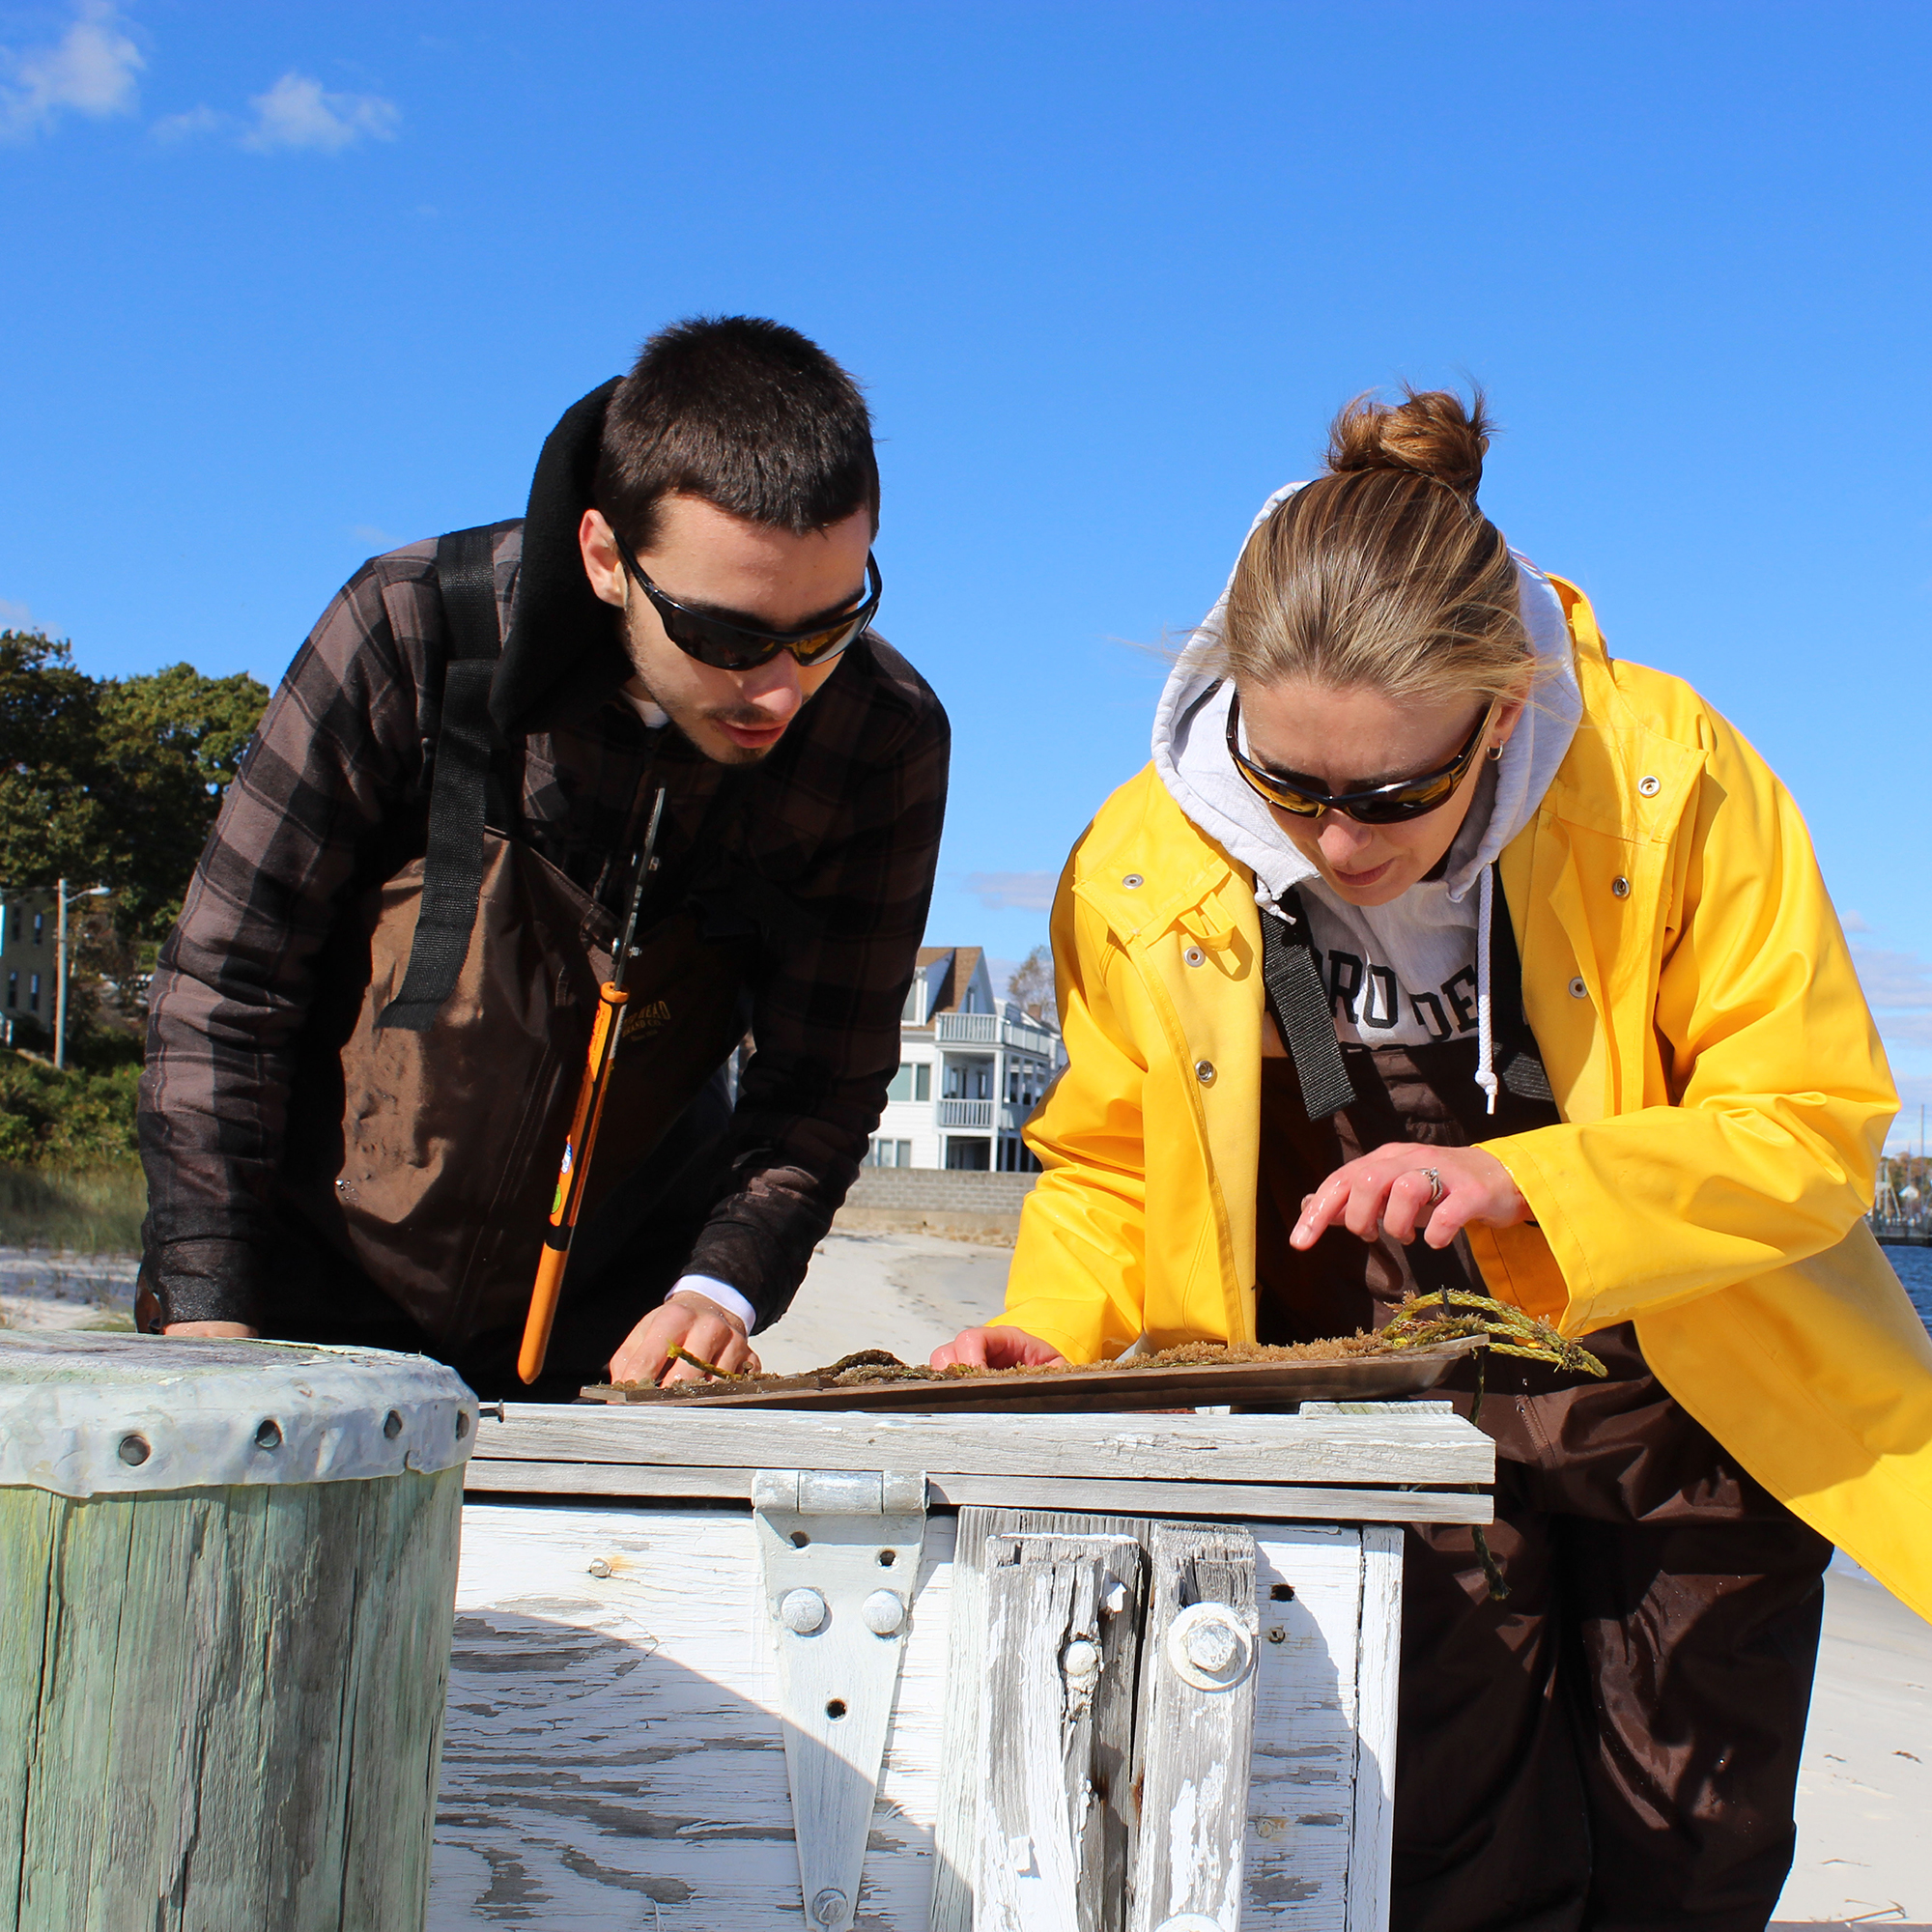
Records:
x=1914, y=1269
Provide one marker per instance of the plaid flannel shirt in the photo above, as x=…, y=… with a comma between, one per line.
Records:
x=842, y=819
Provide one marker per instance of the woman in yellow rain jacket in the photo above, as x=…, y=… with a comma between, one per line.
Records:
x=1586, y=1035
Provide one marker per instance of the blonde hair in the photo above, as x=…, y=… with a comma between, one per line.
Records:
x=1383, y=572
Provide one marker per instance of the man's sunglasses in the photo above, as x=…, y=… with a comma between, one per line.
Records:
x=1381, y=805
x=728, y=646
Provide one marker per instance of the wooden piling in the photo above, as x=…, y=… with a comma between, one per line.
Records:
x=221, y=1700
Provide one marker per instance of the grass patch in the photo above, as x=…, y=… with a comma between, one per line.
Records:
x=88, y=1210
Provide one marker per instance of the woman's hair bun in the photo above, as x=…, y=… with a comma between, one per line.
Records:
x=1428, y=433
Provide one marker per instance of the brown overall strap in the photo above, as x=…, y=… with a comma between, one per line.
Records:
x=453, y=865
x=1299, y=1003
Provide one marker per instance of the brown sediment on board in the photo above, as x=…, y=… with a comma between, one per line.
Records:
x=1423, y=1331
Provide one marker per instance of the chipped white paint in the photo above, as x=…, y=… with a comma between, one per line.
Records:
x=613, y=1756
x=1381, y=1625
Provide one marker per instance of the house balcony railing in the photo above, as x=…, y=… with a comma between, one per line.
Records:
x=990, y=1029
x=966, y=1112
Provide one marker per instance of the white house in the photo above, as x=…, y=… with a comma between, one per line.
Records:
x=971, y=1068
x=26, y=964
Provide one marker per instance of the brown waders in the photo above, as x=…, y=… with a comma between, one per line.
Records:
x=1615, y=1744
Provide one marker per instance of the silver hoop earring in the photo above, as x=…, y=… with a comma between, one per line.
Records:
x=1495, y=754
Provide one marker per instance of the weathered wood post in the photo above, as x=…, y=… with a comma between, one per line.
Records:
x=227, y=1573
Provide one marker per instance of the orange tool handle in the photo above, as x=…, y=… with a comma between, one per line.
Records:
x=548, y=1288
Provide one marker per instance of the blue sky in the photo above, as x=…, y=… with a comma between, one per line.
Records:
x=287, y=284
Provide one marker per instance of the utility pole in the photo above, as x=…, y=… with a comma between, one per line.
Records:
x=60, y=975
x=65, y=899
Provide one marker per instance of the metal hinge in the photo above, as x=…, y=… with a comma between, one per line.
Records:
x=838, y=1556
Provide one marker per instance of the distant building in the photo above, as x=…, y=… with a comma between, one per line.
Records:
x=971, y=1068
x=26, y=965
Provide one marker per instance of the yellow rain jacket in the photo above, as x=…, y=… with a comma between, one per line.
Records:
x=1724, y=1096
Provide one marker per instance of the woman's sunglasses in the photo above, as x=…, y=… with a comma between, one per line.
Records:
x=728, y=646
x=1381, y=805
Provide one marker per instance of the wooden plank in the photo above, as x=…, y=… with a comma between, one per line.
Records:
x=1423, y=1447
x=957, y=1826
x=1303, y=1767
x=614, y=1755
x=1229, y=1502
x=1376, y=1730
x=1264, y=1384
x=223, y=1707
x=1193, y=1740
x=1063, y=1623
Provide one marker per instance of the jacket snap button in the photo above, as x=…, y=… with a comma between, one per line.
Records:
x=1650, y=788
x=1133, y=880
x=1577, y=990
x=1194, y=956
x=1620, y=888
x=1204, y=1071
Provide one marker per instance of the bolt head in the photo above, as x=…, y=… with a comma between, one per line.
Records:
x=829, y=1907
x=1211, y=1646
x=1081, y=1657
x=883, y=1611
x=802, y=1612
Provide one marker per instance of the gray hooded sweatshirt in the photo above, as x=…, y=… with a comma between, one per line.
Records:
x=1417, y=969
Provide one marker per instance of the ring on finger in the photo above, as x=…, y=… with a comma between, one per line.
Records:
x=1434, y=1181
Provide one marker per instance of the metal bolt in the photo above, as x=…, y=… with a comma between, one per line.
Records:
x=1650, y=787
x=829, y=1907
x=1276, y=1634
x=597, y=1567
x=801, y=1610
x=1578, y=989
x=134, y=1450
x=1081, y=1657
x=1211, y=1646
x=1620, y=887
x=1133, y=882
x=883, y=1611
x=1204, y=1071
x=1195, y=957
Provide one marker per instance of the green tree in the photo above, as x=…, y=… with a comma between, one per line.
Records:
x=114, y=781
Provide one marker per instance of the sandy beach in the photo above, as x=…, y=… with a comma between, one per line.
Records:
x=1865, y=1853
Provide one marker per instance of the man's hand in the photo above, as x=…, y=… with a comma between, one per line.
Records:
x=996, y=1348
x=696, y=1324
x=1388, y=1191
x=214, y=1331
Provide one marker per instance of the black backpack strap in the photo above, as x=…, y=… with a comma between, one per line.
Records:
x=453, y=865
x=1519, y=1060
x=1302, y=1013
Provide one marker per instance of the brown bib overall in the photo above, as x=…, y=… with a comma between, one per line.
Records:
x=1616, y=1745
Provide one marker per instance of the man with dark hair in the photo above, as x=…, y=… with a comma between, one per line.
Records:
x=368, y=1027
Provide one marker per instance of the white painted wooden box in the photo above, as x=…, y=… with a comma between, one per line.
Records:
x=622, y=1686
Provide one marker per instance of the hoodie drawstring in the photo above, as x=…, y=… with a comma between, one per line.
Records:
x=1486, y=1043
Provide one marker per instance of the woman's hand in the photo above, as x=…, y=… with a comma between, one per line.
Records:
x=1389, y=1192
x=695, y=1322
x=996, y=1348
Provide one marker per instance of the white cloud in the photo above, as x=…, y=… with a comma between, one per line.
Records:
x=91, y=69
x=1025, y=891
x=14, y=617
x=298, y=113
x=197, y=121
x=1894, y=980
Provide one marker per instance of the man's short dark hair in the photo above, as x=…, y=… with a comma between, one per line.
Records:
x=746, y=414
